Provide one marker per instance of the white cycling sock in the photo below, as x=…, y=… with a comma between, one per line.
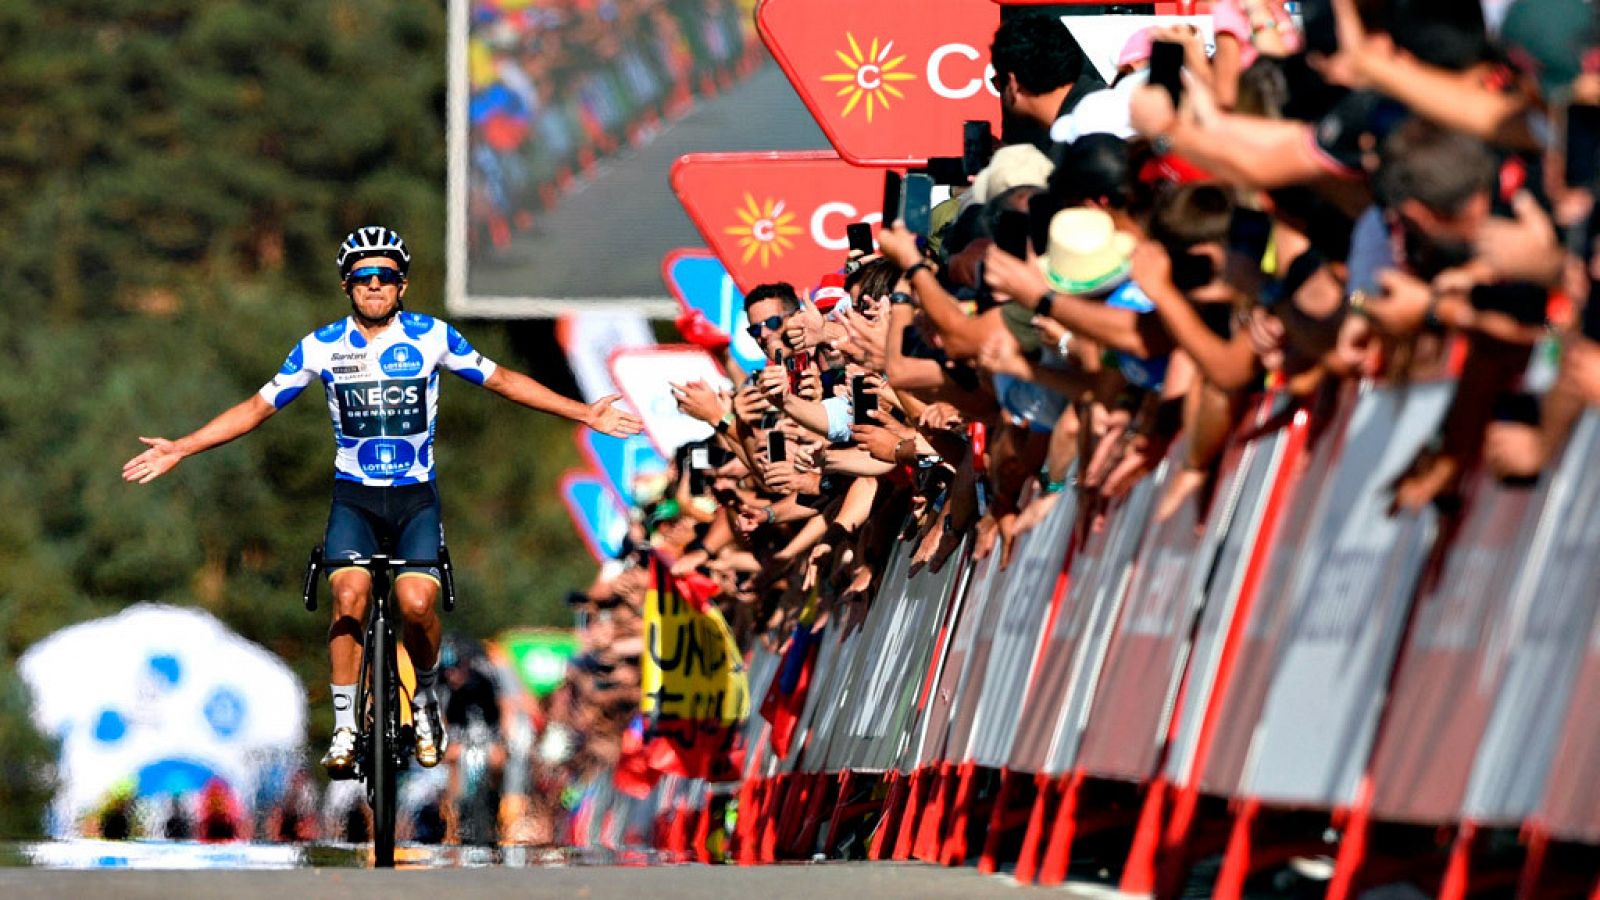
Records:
x=344, y=705
x=425, y=680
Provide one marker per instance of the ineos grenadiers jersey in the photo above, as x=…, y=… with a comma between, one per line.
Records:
x=383, y=394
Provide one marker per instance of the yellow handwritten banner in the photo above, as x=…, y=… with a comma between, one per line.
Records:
x=692, y=669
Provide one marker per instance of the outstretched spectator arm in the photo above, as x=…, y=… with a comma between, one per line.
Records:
x=906, y=372
x=962, y=335
x=1461, y=101
x=1246, y=150
x=1118, y=329
x=1228, y=363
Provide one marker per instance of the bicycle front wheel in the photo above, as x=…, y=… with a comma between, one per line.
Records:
x=382, y=749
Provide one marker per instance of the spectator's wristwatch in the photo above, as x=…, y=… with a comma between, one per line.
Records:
x=1042, y=308
x=901, y=298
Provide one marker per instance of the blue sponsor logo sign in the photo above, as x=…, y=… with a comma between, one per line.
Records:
x=621, y=460
x=598, y=515
x=700, y=281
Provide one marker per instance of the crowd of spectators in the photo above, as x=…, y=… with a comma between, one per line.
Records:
x=1375, y=191
x=558, y=84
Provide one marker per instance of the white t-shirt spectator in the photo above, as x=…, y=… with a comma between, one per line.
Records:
x=1102, y=112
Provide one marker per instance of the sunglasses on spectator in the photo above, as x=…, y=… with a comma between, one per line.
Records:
x=998, y=82
x=384, y=275
x=770, y=323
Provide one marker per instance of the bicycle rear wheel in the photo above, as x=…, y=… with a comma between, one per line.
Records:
x=381, y=743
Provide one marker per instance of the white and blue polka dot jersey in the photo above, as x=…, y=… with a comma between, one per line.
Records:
x=383, y=394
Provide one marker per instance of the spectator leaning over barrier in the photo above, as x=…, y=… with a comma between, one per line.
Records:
x=1041, y=75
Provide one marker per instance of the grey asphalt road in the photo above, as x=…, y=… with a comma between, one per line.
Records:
x=842, y=880
x=607, y=237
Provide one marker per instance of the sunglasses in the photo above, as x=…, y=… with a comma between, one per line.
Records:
x=770, y=323
x=384, y=275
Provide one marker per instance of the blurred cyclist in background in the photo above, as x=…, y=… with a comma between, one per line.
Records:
x=477, y=749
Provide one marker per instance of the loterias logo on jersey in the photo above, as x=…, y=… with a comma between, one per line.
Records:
x=370, y=409
x=401, y=361
x=386, y=459
x=913, y=71
x=777, y=216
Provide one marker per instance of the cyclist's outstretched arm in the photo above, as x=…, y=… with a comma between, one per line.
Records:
x=164, y=454
x=599, y=415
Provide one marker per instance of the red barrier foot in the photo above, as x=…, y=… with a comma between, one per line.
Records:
x=1236, y=862
x=988, y=860
x=1457, y=873
x=889, y=822
x=1139, y=875
x=1533, y=865
x=1033, y=838
x=1059, y=851
x=911, y=817
x=1352, y=848
x=1173, y=867
x=702, y=831
x=840, y=806
x=816, y=804
x=932, y=824
x=743, y=840
x=776, y=788
x=678, y=834
x=954, y=850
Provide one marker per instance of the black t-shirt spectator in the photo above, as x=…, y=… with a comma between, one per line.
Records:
x=478, y=692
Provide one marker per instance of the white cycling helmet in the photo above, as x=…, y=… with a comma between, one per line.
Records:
x=373, y=240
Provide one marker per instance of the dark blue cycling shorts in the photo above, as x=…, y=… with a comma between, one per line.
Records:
x=401, y=521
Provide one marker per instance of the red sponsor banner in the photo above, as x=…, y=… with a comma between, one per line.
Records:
x=777, y=216
x=889, y=81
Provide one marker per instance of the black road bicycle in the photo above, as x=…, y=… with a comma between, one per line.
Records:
x=383, y=744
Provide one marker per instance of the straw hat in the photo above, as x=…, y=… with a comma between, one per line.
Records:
x=1087, y=254
x=1011, y=166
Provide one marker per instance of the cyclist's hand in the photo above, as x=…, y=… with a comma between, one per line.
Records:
x=608, y=419
x=153, y=463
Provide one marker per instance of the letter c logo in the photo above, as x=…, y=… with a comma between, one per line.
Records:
x=822, y=230
x=971, y=87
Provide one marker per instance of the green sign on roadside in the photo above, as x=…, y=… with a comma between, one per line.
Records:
x=539, y=657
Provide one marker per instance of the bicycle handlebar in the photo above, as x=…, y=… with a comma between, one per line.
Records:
x=382, y=562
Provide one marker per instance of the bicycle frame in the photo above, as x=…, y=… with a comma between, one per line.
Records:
x=380, y=736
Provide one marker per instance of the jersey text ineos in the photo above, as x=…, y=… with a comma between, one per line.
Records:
x=383, y=394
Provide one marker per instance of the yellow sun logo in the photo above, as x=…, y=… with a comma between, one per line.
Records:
x=871, y=75
x=766, y=230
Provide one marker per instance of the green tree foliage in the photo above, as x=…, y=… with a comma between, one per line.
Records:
x=174, y=178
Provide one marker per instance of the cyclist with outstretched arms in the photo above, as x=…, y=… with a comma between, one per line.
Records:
x=379, y=368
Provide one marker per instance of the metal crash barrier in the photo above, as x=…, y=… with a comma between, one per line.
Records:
x=1281, y=666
